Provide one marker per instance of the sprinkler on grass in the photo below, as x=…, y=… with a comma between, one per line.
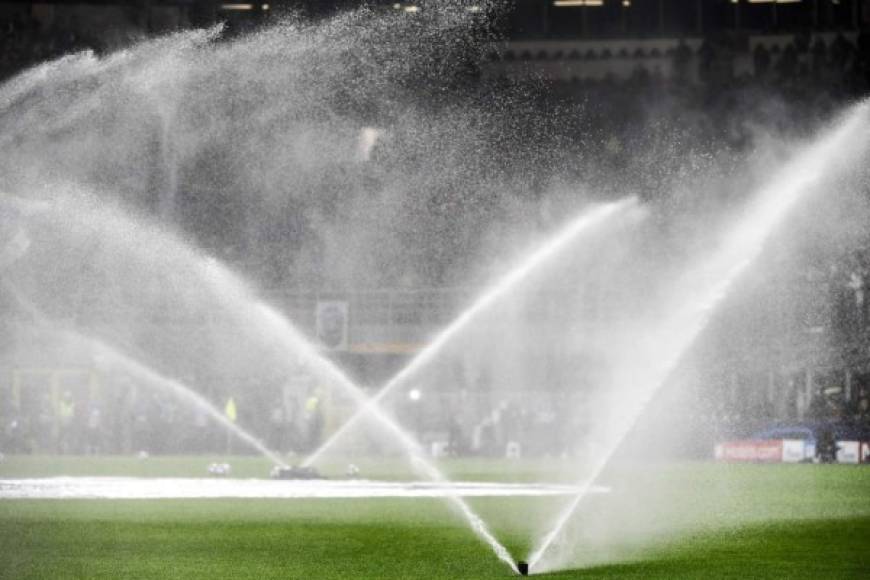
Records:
x=295, y=472
x=523, y=568
x=219, y=469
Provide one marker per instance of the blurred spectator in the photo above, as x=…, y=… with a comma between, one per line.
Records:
x=278, y=426
x=862, y=406
x=13, y=440
x=761, y=59
x=313, y=421
x=66, y=412
x=682, y=57
x=94, y=435
x=826, y=448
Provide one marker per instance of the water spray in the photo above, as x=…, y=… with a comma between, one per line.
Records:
x=109, y=357
x=242, y=303
x=715, y=277
x=421, y=465
x=263, y=316
x=581, y=224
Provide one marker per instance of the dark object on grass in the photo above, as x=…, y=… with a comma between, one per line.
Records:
x=826, y=448
x=523, y=568
x=295, y=472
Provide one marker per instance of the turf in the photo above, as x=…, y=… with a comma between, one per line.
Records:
x=713, y=522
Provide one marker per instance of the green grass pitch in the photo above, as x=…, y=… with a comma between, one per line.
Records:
x=715, y=521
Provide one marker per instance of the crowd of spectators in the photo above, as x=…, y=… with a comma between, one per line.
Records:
x=121, y=417
x=127, y=423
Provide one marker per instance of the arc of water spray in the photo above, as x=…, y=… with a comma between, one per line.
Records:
x=80, y=67
x=270, y=319
x=112, y=355
x=419, y=462
x=583, y=223
x=252, y=311
x=181, y=391
x=422, y=465
x=741, y=248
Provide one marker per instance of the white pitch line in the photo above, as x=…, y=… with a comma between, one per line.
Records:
x=215, y=488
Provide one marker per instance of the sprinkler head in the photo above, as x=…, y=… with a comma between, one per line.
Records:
x=523, y=568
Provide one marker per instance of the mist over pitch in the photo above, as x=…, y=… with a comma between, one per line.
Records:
x=345, y=156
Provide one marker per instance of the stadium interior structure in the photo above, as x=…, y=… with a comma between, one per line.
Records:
x=808, y=362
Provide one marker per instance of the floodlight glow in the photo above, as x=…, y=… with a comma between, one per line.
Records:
x=576, y=3
x=237, y=6
x=414, y=394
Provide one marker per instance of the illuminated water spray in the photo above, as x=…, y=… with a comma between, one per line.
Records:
x=585, y=222
x=270, y=320
x=708, y=284
x=238, y=300
x=108, y=357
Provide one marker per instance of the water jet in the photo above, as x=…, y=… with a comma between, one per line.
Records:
x=707, y=285
x=587, y=221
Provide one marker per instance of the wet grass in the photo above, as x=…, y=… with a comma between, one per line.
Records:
x=789, y=549
x=702, y=521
